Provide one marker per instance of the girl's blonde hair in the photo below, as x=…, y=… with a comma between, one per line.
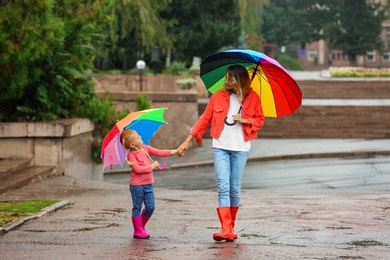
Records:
x=127, y=138
x=240, y=79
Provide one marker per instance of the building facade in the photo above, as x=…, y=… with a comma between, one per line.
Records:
x=317, y=55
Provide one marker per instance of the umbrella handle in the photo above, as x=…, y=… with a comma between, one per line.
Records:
x=230, y=124
x=164, y=164
x=234, y=122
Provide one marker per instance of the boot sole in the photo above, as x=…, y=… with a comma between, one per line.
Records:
x=141, y=237
x=219, y=238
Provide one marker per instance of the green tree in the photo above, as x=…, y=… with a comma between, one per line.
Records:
x=203, y=27
x=47, y=57
x=251, y=19
x=136, y=26
x=351, y=26
x=27, y=32
x=285, y=22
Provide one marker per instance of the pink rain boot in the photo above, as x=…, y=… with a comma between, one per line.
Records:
x=145, y=219
x=139, y=231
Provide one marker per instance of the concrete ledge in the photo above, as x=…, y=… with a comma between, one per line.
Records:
x=59, y=128
x=179, y=96
x=347, y=88
x=65, y=144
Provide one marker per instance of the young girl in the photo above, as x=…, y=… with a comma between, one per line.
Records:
x=141, y=181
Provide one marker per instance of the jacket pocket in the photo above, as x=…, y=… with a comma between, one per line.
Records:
x=218, y=109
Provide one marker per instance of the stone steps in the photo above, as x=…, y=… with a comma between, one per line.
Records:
x=16, y=173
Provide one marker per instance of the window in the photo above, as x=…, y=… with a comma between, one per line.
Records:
x=311, y=55
x=388, y=38
x=386, y=56
x=371, y=56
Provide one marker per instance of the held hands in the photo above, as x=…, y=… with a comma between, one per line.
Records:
x=182, y=148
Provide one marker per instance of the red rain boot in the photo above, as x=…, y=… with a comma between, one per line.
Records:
x=139, y=231
x=234, y=210
x=225, y=217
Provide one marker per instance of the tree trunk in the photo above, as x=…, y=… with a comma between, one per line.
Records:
x=352, y=59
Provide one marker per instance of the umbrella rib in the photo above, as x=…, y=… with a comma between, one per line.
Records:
x=277, y=78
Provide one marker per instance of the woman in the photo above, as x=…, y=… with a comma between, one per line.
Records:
x=231, y=132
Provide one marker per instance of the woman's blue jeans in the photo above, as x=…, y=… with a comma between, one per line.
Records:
x=229, y=168
x=142, y=194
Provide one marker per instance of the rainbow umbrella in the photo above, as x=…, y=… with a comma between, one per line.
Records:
x=278, y=91
x=145, y=122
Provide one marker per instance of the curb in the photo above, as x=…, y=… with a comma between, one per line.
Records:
x=288, y=156
x=208, y=163
x=17, y=223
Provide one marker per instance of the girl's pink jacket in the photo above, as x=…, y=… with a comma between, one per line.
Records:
x=142, y=172
x=216, y=112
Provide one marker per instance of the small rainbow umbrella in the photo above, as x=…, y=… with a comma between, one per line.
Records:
x=145, y=122
x=279, y=93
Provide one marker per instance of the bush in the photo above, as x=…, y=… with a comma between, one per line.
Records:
x=289, y=63
x=177, y=68
x=104, y=115
x=143, y=102
x=146, y=71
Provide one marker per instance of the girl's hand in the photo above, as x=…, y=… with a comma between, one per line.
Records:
x=174, y=151
x=155, y=164
x=128, y=162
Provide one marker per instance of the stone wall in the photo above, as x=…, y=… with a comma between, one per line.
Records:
x=65, y=144
x=326, y=112
x=345, y=88
x=328, y=121
x=150, y=84
x=181, y=114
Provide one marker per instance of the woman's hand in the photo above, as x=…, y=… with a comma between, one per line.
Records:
x=238, y=118
x=183, y=148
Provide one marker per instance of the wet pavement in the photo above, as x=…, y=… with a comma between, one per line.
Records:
x=301, y=199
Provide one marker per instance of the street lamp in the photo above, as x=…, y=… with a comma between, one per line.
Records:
x=140, y=67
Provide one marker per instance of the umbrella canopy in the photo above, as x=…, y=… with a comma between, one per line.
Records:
x=278, y=91
x=145, y=122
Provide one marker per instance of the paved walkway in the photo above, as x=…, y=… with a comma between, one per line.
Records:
x=272, y=224
x=274, y=149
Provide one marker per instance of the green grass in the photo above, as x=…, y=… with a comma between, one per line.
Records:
x=13, y=210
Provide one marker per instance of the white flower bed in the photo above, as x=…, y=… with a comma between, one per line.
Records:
x=359, y=72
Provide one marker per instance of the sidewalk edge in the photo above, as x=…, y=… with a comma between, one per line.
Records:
x=17, y=223
x=288, y=157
